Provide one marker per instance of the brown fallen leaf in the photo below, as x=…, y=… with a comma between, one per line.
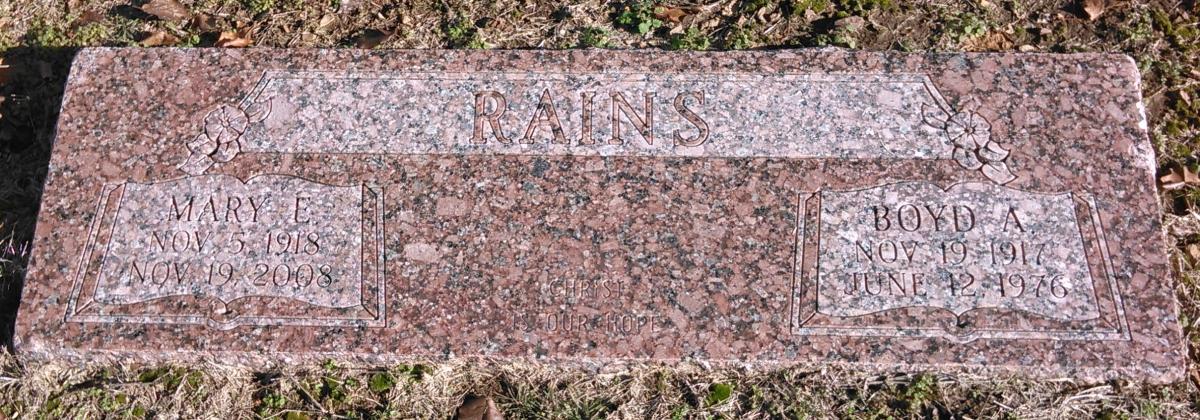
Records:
x=371, y=38
x=670, y=14
x=992, y=41
x=1094, y=8
x=86, y=18
x=478, y=408
x=202, y=22
x=1193, y=252
x=169, y=10
x=850, y=24
x=1179, y=176
x=159, y=39
x=326, y=20
x=234, y=39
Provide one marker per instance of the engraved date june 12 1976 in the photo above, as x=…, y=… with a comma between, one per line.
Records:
x=973, y=246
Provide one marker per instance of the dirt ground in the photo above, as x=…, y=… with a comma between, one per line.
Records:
x=38, y=39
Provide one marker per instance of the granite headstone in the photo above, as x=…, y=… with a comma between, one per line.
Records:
x=989, y=212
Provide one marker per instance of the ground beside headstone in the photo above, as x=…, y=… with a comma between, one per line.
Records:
x=990, y=212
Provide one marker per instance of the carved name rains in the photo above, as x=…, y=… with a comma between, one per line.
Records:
x=900, y=116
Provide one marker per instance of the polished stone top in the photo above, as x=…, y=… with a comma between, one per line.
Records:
x=980, y=212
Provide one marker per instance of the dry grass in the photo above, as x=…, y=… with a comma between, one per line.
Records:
x=523, y=390
x=38, y=38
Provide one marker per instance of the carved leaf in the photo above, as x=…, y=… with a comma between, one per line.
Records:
x=226, y=151
x=999, y=172
x=993, y=152
x=966, y=158
x=202, y=144
x=196, y=164
x=256, y=112
x=934, y=116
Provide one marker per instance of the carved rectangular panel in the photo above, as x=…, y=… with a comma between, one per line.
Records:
x=970, y=261
x=211, y=249
x=600, y=113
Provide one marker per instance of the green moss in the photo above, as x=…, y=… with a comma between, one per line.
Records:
x=53, y=408
x=461, y=33
x=414, y=372
x=963, y=27
x=861, y=7
x=295, y=415
x=718, y=393
x=818, y=6
x=915, y=396
x=9, y=409
x=6, y=40
x=593, y=37
x=1110, y=414
x=691, y=39
x=95, y=33
x=638, y=17
x=1139, y=29
x=45, y=34
x=739, y=38
x=112, y=403
x=151, y=375
x=680, y=412
x=258, y=7
x=270, y=402
x=751, y=6
x=381, y=382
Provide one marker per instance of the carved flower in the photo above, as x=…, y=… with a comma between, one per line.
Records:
x=220, y=140
x=971, y=136
x=223, y=126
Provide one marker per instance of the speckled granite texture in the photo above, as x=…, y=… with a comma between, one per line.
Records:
x=984, y=212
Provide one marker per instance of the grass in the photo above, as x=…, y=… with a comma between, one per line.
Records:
x=37, y=40
x=639, y=17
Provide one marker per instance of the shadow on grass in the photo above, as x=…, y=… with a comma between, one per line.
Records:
x=31, y=89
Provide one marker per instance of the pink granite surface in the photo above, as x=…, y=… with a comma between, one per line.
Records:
x=984, y=212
